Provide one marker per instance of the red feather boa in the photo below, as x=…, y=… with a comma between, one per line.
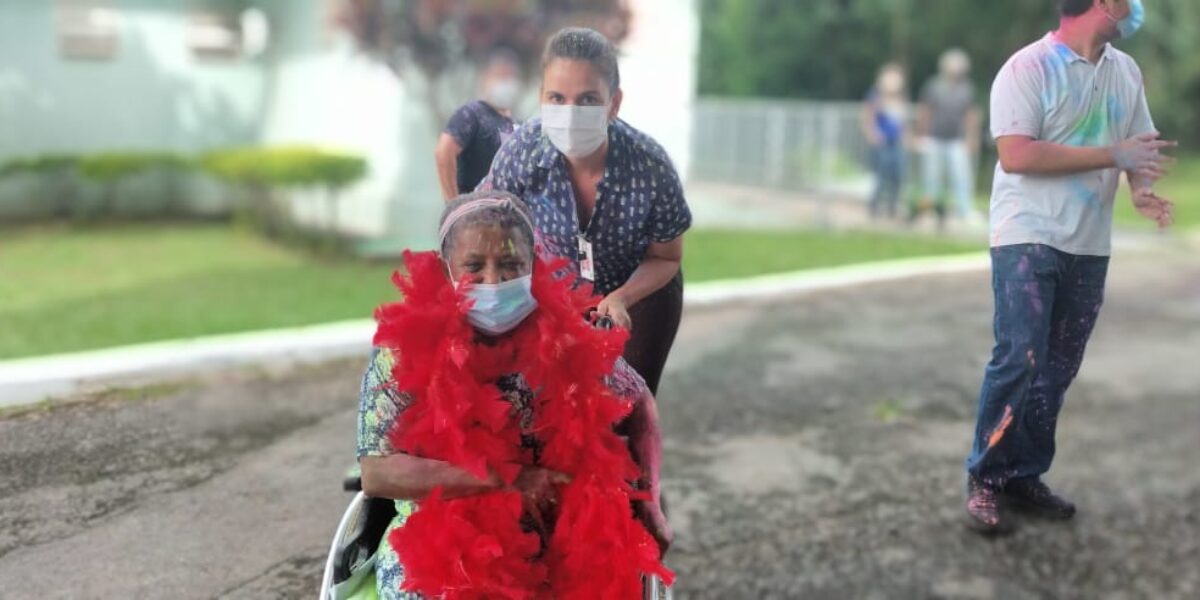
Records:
x=474, y=547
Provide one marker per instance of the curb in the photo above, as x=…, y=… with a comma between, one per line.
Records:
x=29, y=380
x=814, y=280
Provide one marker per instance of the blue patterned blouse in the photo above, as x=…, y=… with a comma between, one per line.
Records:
x=639, y=199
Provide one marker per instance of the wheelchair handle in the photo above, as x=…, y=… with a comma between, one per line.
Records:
x=601, y=322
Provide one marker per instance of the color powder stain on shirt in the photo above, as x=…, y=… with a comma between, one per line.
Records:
x=1093, y=129
x=1057, y=81
x=1081, y=190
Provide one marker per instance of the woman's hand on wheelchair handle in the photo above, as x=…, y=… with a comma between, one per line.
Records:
x=656, y=523
x=613, y=306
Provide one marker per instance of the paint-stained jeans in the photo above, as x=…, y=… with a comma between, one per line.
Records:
x=1047, y=302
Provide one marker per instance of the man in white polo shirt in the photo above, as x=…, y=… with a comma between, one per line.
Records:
x=1069, y=114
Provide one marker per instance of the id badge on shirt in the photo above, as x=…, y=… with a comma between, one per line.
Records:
x=587, y=264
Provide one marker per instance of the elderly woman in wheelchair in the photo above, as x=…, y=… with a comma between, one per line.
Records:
x=509, y=449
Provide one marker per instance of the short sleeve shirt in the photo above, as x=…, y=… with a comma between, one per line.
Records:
x=949, y=102
x=1049, y=93
x=381, y=403
x=890, y=117
x=480, y=131
x=639, y=199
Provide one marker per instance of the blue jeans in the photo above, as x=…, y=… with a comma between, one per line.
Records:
x=949, y=156
x=890, y=166
x=1047, y=302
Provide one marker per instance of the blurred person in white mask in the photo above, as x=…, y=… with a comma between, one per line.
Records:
x=476, y=130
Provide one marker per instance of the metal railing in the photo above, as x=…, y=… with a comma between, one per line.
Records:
x=799, y=145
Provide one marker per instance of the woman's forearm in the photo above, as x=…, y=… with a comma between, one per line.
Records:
x=650, y=276
x=406, y=477
x=445, y=157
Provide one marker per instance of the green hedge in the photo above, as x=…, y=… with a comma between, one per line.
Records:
x=281, y=166
x=42, y=164
x=73, y=182
x=114, y=166
x=285, y=166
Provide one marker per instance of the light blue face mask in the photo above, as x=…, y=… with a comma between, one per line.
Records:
x=1131, y=24
x=499, y=307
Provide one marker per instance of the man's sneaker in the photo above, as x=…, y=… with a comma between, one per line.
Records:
x=1031, y=495
x=983, y=509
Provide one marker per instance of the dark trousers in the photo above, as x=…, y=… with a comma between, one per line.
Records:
x=655, y=323
x=1047, y=302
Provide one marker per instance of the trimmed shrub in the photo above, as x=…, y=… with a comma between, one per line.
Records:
x=57, y=183
x=113, y=166
x=261, y=171
x=286, y=166
x=41, y=164
x=111, y=169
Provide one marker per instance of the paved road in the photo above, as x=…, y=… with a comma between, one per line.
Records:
x=813, y=450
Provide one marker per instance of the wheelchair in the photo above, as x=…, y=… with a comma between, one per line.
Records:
x=364, y=522
x=361, y=530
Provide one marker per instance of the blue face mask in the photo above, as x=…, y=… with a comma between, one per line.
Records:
x=498, y=308
x=1131, y=24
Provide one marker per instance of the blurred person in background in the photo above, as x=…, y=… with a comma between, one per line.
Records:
x=1069, y=115
x=948, y=130
x=884, y=122
x=475, y=132
x=603, y=194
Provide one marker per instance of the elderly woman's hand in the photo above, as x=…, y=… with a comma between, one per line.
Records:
x=539, y=492
x=613, y=306
x=655, y=520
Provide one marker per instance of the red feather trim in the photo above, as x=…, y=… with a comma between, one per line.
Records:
x=474, y=547
x=469, y=549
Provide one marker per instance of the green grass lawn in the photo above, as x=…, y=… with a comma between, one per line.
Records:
x=717, y=254
x=64, y=289
x=1181, y=186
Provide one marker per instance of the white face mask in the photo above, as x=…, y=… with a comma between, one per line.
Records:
x=503, y=94
x=576, y=131
x=499, y=307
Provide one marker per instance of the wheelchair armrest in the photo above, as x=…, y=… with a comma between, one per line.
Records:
x=363, y=539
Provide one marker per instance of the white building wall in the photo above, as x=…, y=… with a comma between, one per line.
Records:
x=326, y=93
x=658, y=73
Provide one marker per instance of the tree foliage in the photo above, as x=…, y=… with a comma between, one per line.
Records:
x=437, y=35
x=831, y=49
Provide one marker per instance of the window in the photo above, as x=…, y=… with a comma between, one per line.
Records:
x=87, y=29
x=215, y=35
